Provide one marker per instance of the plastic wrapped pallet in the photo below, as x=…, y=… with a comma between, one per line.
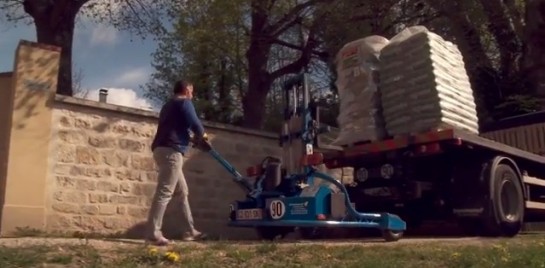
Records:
x=424, y=85
x=359, y=118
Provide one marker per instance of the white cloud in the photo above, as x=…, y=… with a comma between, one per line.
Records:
x=122, y=97
x=132, y=76
x=103, y=35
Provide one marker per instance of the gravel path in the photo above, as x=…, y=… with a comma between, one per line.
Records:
x=105, y=244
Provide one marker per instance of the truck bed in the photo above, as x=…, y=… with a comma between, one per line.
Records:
x=458, y=137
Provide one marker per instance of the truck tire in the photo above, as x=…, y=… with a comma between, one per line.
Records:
x=506, y=202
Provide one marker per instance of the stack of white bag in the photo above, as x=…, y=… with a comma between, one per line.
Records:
x=359, y=116
x=424, y=85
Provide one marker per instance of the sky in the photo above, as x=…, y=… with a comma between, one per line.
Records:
x=106, y=57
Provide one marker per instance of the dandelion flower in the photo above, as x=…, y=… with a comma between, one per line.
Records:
x=172, y=256
x=152, y=251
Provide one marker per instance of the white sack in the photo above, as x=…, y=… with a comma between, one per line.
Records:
x=424, y=85
x=359, y=116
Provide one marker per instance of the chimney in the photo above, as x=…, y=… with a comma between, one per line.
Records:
x=102, y=94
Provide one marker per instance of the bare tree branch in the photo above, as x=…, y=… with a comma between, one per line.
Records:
x=292, y=17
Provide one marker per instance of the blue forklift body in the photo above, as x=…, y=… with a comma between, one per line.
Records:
x=286, y=205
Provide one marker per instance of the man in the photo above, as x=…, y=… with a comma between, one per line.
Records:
x=169, y=146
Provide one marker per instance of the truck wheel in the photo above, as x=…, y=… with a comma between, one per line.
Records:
x=506, y=202
x=391, y=236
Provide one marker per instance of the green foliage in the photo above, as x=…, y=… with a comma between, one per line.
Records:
x=517, y=105
x=206, y=47
x=210, y=41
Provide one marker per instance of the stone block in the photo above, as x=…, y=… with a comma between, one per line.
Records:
x=243, y=148
x=66, y=182
x=137, y=212
x=86, y=185
x=147, y=189
x=88, y=223
x=82, y=123
x=121, y=129
x=129, y=175
x=115, y=158
x=58, y=222
x=62, y=169
x=146, y=131
x=87, y=155
x=142, y=163
x=102, y=142
x=66, y=208
x=71, y=136
x=107, y=210
x=117, y=223
x=123, y=200
x=131, y=145
x=66, y=121
x=106, y=186
x=89, y=209
x=151, y=176
x=125, y=187
x=91, y=172
x=66, y=153
x=98, y=198
x=121, y=210
x=70, y=197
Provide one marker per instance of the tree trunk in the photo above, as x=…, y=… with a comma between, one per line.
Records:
x=55, y=21
x=61, y=36
x=259, y=84
x=501, y=27
x=535, y=46
x=254, y=103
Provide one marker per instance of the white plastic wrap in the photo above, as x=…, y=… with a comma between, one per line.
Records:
x=359, y=116
x=424, y=85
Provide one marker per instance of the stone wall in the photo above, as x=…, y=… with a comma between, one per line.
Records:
x=102, y=176
x=72, y=165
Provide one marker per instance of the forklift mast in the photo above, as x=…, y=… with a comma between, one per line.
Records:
x=300, y=128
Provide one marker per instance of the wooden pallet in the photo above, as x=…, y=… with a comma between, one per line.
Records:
x=351, y=145
x=412, y=133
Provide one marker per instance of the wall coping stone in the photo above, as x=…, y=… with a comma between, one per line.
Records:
x=151, y=114
x=6, y=74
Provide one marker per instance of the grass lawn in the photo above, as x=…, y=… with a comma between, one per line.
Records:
x=523, y=251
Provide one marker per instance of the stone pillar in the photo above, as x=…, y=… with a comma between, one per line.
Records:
x=34, y=84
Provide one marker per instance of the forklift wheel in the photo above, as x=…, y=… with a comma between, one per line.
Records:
x=271, y=233
x=391, y=236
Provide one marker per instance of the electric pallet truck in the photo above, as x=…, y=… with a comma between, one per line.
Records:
x=283, y=196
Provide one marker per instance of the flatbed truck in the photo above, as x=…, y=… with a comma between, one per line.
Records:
x=489, y=187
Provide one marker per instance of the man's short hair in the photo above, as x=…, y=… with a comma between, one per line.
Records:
x=180, y=86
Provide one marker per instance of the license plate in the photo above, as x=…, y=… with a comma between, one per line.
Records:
x=250, y=214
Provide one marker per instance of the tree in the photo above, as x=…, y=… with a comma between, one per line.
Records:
x=206, y=46
x=273, y=39
x=55, y=21
x=534, y=61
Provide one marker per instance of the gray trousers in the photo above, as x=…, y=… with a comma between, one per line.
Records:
x=169, y=163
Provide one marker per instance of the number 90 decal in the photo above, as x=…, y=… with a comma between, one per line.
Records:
x=277, y=209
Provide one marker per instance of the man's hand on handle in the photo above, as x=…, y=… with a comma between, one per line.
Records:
x=202, y=143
